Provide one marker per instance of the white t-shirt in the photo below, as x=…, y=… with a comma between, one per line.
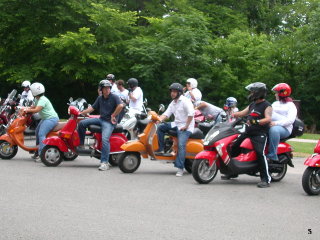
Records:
x=197, y=95
x=138, y=95
x=114, y=88
x=181, y=110
x=124, y=95
x=26, y=95
x=284, y=114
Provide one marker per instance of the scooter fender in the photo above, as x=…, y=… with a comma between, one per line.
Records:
x=56, y=141
x=133, y=146
x=284, y=147
x=209, y=155
x=116, y=142
x=313, y=160
x=7, y=138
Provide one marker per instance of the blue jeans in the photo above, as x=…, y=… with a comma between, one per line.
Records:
x=275, y=134
x=43, y=128
x=182, y=140
x=107, y=129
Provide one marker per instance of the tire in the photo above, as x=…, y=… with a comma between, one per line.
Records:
x=201, y=171
x=129, y=162
x=113, y=159
x=311, y=181
x=188, y=165
x=2, y=130
x=7, y=151
x=51, y=156
x=277, y=177
x=69, y=156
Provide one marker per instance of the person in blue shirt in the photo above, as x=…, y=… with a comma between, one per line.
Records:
x=109, y=106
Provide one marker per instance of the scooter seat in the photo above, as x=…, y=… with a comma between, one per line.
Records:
x=197, y=134
x=59, y=126
x=97, y=129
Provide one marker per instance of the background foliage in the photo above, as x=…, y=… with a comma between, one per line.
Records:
x=71, y=45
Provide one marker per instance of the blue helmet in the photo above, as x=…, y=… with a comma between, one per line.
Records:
x=231, y=102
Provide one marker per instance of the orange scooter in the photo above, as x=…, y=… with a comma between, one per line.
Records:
x=147, y=144
x=14, y=137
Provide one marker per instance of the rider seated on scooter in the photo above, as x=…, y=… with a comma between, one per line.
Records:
x=183, y=111
x=109, y=106
x=258, y=119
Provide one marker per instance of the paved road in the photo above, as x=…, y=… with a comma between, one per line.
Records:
x=76, y=201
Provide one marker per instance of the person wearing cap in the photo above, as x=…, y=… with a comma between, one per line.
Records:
x=109, y=105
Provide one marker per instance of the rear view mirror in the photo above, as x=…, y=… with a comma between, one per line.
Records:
x=70, y=99
x=145, y=102
x=161, y=108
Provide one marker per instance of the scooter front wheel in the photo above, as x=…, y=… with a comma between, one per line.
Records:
x=311, y=181
x=7, y=151
x=51, y=156
x=129, y=162
x=202, y=172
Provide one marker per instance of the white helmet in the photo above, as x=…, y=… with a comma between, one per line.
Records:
x=37, y=89
x=26, y=84
x=193, y=82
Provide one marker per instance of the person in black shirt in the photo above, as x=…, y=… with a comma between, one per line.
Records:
x=258, y=114
x=109, y=106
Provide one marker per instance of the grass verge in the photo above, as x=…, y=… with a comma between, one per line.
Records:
x=302, y=149
x=310, y=136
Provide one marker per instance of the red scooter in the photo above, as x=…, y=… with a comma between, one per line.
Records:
x=216, y=156
x=311, y=176
x=68, y=139
x=7, y=108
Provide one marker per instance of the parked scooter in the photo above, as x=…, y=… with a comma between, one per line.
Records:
x=147, y=144
x=68, y=139
x=216, y=155
x=134, y=121
x=15, y=133
x=7, y=109
x=311, y=176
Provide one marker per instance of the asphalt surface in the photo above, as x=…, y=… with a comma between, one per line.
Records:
x=76, y=201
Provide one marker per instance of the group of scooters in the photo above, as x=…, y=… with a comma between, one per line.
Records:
x=207, y=149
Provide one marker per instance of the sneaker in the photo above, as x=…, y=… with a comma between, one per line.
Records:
x=104, y=166
x=35, y=156
x=263, y=184
x=179, y=173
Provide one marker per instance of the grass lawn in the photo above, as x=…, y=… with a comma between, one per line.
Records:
x=302, y=149
x=310, y=136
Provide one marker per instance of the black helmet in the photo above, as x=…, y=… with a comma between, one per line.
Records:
x=258, y=90
x=111, y=77
x=104, y=83
x=132, y=82
x=177, y=87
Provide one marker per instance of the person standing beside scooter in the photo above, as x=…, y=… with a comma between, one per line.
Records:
x=283, y=116
x=258, y=119
x=109, y=106
x=49, y=117
x=183, y=111
x=26, y=94
x=135, y=94
x=192, y=92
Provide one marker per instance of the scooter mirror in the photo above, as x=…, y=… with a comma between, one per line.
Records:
x=145, y=102
x=71, y=99
x=161, y=108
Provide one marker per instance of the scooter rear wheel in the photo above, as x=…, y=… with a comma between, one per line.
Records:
x=113, y=159
x=7, y=151
x=202, y=172
x=69, y=156
x=277, y=176
x=129, y=162
x=51, y=156
x=311, y=181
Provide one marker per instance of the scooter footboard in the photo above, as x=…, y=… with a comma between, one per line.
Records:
x=209, y=155
x=56, y=141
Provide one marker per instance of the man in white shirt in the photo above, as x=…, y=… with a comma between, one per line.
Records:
x=26, y=94
x=183, y=111
x=192, y=92
x=135, y=94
